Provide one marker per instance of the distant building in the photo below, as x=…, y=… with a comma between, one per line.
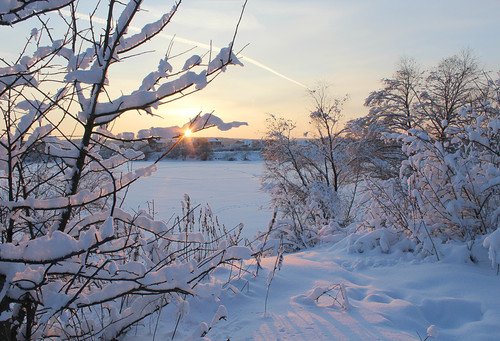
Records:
x=215, y=142
x=126, y=135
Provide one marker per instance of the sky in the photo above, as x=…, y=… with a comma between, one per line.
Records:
x=350, y=45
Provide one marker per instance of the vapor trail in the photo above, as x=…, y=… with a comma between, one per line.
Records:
x=196, y=44
x=267, y=68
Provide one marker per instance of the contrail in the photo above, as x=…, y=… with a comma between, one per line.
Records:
x=267, y=68
x=195, y=44
x=241, y=56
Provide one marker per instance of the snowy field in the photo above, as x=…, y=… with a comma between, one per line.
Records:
x=231, y=188
x=395, y=296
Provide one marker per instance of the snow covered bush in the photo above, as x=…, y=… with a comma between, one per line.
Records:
x=455, y=189
x=305, y=176
x=74, y=264
x=448, y=186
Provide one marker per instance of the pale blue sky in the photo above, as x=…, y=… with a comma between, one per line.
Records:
x=350, y=44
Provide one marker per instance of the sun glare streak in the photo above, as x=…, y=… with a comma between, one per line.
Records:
x=188, y=132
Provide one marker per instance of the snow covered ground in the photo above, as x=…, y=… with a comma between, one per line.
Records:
x=389, y=298
x=394, y=296
x=231, y=188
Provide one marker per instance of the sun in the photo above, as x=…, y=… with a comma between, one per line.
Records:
x=188, y=132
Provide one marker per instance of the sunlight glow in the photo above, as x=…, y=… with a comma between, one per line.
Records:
x=188, y=132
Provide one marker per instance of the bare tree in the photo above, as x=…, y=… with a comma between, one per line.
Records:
x=326, y=135
x=393, y=106
x=306, y=175
x=14, y=12
x=451, y=86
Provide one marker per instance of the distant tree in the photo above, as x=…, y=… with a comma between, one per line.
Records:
x=371, y=153
x=203, y=149
x=393, y=109
x=393, y=106
x=415, y=99
x=449, y=87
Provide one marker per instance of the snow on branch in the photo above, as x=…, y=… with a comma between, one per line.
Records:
x=210, y=120
x=13, y=11
x=147, y=32
x=222, y=59
x=83, y=197
x=201, y=122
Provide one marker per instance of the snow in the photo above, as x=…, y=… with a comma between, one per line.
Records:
x=126, y=135
x=152, y=78
x=207, y=120
x=93, y=76
x=222, y=58
x=389, y=297
x=46, y=248
x=380, y=294
x=7, y=5
x=492, y=243
x=191, y=62
x=147, y=31
x=231, y=188
x=107, y=229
